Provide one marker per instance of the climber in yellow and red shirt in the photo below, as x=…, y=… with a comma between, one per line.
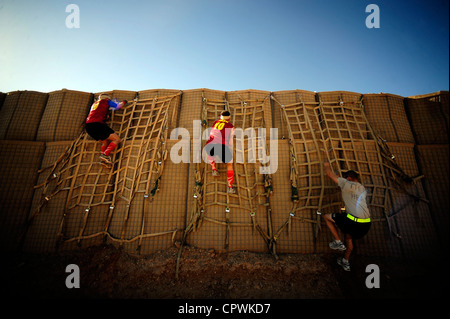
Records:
x=220, y=144
x=97, y=128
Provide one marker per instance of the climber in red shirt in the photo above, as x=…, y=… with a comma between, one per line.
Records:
x=97, y=128
x=220, y=144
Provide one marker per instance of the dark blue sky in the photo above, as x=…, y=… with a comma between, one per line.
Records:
x=317, y=45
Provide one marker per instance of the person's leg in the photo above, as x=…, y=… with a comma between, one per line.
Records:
x=213, y=166
x=209, y=149
x=344, y=261
x=349, y=245
x=104, y=145
x=230, y=175
x=108, y=145
x=336, y=244
x=212, y=163
x=331, y=226
x=113, y=140
x=227, y=157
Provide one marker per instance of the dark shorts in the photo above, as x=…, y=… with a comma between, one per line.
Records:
x=98, y=131
x=220, y=150
x=348, y=226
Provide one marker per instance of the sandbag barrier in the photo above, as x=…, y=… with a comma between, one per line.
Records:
x=325, y=126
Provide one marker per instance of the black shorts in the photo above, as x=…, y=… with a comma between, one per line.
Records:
x=222, y=151
x=348, y=226
x=98, y=131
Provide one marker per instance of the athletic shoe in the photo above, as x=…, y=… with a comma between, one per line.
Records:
x=215, y=173
x=231, y=190
x=344, y=263
x=105, y=158
x=337, y=245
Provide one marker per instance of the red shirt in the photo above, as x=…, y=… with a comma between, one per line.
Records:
x=220, y=132
x=99, y=111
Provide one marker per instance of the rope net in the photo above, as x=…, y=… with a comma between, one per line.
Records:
x=241, y=220
x=79, y=202
x=99, y=200
x=335, y=131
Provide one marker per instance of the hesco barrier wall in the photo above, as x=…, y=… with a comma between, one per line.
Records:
x=56, y=196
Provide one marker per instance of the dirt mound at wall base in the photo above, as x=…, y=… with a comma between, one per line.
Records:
x=107, y=272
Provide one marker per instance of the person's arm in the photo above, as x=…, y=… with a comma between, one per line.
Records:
x=330, y=172
x=116, y=105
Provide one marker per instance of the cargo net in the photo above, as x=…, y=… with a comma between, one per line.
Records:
x=240, y=220
x=339, y=133
x=99, y=198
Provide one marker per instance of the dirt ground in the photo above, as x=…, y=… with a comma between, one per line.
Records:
x=108, y=272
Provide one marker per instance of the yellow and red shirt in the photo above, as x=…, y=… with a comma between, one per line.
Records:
x=220, y=132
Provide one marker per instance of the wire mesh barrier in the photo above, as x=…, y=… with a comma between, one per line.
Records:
x=56, y=195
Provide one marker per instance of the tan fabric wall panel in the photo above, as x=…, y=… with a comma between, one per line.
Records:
x=429, y=117
x=64, y=115
x=232, y=221
x=410, y=208
x=2, y=99
x=45, y=220
x=18, y=174
x=298, y=235
x=151, y=222
x=387, y=116
x=338, y=96
x=191, y=106
x=433, y=161
x=7, y=111
x=21, y=114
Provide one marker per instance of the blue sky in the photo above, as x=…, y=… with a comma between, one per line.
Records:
x=317, y=45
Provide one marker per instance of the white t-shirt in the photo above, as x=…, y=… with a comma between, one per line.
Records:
x=354, y=196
